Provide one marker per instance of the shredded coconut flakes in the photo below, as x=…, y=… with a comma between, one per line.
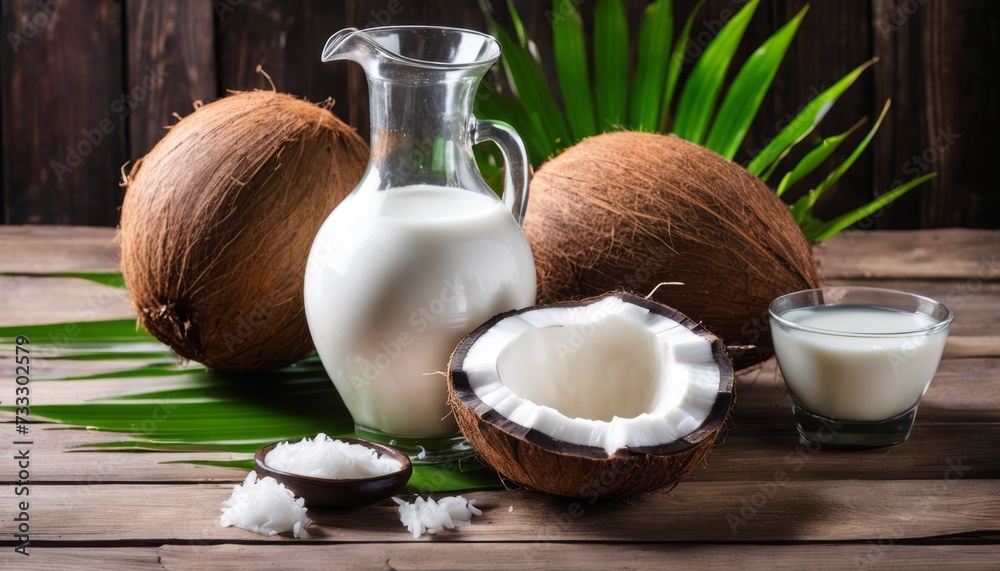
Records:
x=430, y=516
x=266, y=507
x=324, y=457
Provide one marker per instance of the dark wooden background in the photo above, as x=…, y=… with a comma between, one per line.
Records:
x=104, y=77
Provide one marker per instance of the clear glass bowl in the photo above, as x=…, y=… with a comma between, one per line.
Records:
x=857, y=360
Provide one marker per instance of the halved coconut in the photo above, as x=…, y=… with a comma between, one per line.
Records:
x=606, y=398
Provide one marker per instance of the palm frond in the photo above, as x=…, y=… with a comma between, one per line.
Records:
x=701, y=90
x=649, y=81
x=610, y=64
x=570, y=54
x=651, y=104
x=745, y=95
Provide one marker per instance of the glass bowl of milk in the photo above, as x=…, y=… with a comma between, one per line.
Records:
x=857, y=360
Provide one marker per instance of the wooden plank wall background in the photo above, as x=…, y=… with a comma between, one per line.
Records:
x=89, y=84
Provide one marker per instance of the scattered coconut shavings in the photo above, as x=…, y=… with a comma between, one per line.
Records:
x=265, y=507
x=323, y=457
x=429, y=516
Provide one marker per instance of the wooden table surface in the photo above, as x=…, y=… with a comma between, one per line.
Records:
x=763, y=498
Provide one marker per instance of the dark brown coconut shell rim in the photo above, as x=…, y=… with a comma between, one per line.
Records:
x=708, y=429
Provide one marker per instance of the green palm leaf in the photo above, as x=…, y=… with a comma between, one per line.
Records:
x=694, y=115
x=804, y=205
x=571, y=67
x=814, y=158
x=610, y=64
x=228, y=412
x=113, y=279
x=515, y=18
x=68, y=334
x=531, y=88
x=697, y=104
x=676, y=61
x=747, y=92
x=844, y=221
x=529, y=126
x=655, y=38
x=803, y=123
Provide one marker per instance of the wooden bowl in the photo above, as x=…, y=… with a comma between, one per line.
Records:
x=325, y=493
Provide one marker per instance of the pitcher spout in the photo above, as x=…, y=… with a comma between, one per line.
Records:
x=350, y=44
x=417, y=48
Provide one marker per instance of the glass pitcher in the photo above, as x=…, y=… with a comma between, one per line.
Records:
x=422, y=251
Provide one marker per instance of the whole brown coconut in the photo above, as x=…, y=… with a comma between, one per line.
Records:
x=631, y=210
x=218, y=220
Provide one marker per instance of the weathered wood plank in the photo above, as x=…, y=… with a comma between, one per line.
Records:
x=965, y=347
x=935, y=62
x=751, y=451
x=53, y=460
x=963, y=391
x=77, y=558
x=287, y=40
x=696, y=511
x=36, y=300
x=761, y=440
x=834, y=38
x=48, y=249
x=171, y=45
x=43, y=367
x=55, y=392
x=557, y=557
x=757, y=450
x=63, y=111
x=954, y=253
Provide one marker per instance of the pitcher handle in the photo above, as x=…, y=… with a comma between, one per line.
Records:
x=518, y=171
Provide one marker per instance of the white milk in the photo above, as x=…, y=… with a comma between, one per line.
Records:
x=395, y=280
x=857, y=378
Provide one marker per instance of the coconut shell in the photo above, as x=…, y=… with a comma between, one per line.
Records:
x=540, y=462
x=631, y=210
x=218, y=221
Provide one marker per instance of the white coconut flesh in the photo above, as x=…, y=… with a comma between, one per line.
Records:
x=610, y=374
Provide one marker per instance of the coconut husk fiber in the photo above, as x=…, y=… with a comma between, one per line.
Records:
x=218, y=220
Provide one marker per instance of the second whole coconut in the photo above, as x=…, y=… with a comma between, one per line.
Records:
x=631, y=210
x=218, y=220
